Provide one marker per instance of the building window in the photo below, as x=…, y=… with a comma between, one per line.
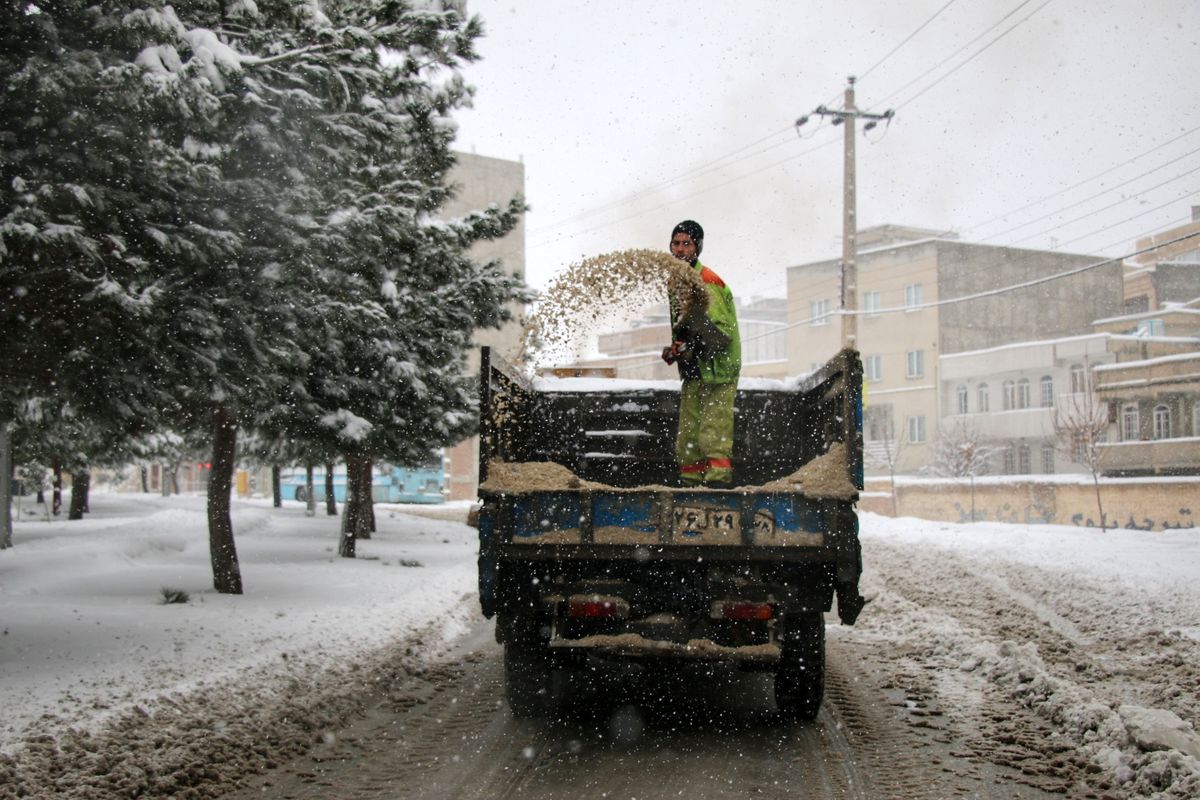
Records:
x=1078, y=379
x=984, y=406
x=914, y=296
x=1010, y=460
x=877, y=420
x=916, y=363
x=1047, y=385
x=873, y=368
x=1162, y=422
x=1150, y=327
x=1024, y=459
x=1023, y=393
x=1009, y=392
x=961, y=391
x=916, y=429
x=819, y=311
x=871, y=304
x=1048, y=459
x=1129, y=423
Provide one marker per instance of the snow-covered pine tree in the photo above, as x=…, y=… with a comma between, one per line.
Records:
x=165, y=174
x=395, y=297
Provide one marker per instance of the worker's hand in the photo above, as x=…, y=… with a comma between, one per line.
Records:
x=674, y=352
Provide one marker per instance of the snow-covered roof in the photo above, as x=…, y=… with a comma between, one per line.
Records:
x=1116, y=337
x=1172, y=308
x=1148, y=362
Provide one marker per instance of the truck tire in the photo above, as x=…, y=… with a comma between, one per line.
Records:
x=800, y=675
x=529, y=681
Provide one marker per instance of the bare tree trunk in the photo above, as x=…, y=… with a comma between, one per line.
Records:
x=227, y=575
x=79, y=481
x=56, y=485
x=310, y=498
x=1099, y=506
x=145, y=480
x=164, y=475
x=330, y=497
x=175, y=478
x=6, y=473
x=895, y=502
x=276, y=488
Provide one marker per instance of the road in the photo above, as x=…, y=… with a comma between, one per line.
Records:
x=623, y=733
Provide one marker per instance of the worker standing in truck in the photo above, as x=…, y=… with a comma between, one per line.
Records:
x=708, y=352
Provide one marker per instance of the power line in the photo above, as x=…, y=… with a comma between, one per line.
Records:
x=976, y=54
x=685, y=197
x=702, y=169
x=1101, y=194
x=1119, y=202
x=907, y=39
x=979, y=36
x=1085, y=181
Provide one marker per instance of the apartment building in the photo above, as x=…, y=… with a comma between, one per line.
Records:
x=1154, y=400
x=924, y=294
x=1011, y=396
x=1166, y=269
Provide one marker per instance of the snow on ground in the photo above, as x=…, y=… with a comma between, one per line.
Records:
x=107, y=692
x=86, y=641
x=1097, y=633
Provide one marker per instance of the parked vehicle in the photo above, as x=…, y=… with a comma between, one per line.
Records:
x=615, y=564
x=389, y=484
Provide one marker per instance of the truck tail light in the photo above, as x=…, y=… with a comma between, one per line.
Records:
x=596, y=607
x=742, y=611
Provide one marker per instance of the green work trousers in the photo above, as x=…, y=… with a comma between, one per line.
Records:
x=704, y=446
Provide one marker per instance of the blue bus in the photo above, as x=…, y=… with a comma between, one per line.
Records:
x=389, y=484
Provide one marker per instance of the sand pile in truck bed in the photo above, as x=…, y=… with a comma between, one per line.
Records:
x=528, y=476
x=599, y=291
x=825, y=476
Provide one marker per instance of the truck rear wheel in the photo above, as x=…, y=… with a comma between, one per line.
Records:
x=530, y=683
x=800, y=675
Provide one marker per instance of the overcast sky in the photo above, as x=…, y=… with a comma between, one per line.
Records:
x=630, y=116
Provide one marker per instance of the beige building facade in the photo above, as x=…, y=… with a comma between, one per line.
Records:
x=923, y=294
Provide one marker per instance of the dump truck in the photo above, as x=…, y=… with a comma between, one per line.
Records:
x=588, y=550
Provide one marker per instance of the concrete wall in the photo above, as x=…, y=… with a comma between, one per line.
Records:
x=1156, y=504
x=1063, y=307
x=1177, y=282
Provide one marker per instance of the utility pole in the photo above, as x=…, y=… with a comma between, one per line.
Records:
x=847, y=116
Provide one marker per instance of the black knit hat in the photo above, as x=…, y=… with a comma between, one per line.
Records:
x=692, y=229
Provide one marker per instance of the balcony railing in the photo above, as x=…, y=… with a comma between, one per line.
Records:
x=1156, y=456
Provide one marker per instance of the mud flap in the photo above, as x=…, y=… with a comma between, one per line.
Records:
x=488, y=565
x=849, y=603
x=849, y=570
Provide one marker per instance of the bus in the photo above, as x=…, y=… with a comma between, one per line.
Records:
x=425, y=483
